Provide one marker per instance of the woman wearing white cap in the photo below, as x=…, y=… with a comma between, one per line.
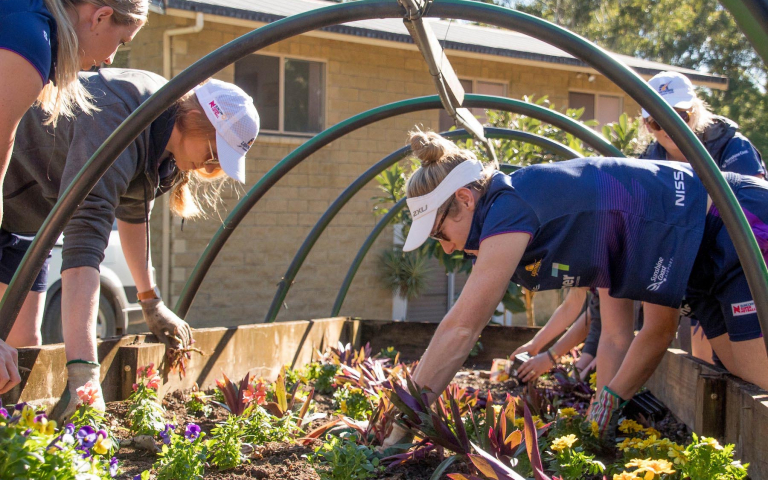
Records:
x=633, y=229
x=732, y=152
x=203, y=137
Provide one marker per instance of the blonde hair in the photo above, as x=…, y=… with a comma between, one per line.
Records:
x=69, y=95
x=196, y=190
x=438, y=157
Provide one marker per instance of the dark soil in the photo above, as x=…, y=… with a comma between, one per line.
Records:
x=287, y=460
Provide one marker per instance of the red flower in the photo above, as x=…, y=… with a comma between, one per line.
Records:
x=88, y=393
x=256, y=394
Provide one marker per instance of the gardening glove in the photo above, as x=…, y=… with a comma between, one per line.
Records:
x=399, y=435
x=167, y=327
x=605, y=412
x=85, y=377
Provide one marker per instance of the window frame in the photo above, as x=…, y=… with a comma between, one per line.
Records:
x=596, y=95
x=281, y=100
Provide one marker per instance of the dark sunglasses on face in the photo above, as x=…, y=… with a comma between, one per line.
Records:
x=654, y=125
x=438, y=235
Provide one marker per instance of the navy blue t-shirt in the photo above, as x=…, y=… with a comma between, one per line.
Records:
x=28, y=29
x=631, y=226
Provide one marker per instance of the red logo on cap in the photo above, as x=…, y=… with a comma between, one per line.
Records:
x=215, y=109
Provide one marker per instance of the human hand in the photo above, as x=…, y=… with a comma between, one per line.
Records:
x=399, y=435
x=167, y=327
x=534, y=368
x=9, y=367
x=529, y=347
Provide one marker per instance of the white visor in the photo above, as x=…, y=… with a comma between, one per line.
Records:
x=424, y=208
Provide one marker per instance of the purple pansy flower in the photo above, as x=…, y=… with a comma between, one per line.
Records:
x=86, y=436
x=4, y=413
x=113, y=467
x=192, y=432
x=166, y=434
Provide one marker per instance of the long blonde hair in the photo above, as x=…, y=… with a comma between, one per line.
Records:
x=438, y=157
x=69, y=95
x=700, y=117
x=196, y=190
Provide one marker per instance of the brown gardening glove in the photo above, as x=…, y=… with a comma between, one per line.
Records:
x=167, y=327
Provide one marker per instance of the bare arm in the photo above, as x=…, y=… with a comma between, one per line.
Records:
x=133, y=239
x=457, y=333
x=79, y=307
x=561, y=319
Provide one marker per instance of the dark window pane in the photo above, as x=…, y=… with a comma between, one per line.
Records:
x=446, y=122
x=259, y=77
x=304, y=96
x=586, y=101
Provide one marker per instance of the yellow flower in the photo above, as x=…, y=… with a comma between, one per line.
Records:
x=102, y=445
x=652, y=431
x=567, y=412
x=27, y=417
x=593, y=380
x=520, y=423
x=676, y=453
x=45, y=426
x=562, y=443
x=651, y=467
x=343, y=406
x=496, y=409
x=630, y=443
x=595, y=429
x=630, y=426
x=624, y=476
x=712, y=443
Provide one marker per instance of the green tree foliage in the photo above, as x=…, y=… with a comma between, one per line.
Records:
x=697, y=34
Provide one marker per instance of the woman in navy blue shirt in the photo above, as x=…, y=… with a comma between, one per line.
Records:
x=633, y=229
x=43, y=45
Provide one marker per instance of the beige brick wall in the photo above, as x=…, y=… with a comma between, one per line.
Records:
x=242, y=281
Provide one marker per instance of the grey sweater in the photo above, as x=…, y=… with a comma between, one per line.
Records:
x=46, y=160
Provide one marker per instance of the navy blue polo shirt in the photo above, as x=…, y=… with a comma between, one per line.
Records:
x=631, y=226
x=28, y=29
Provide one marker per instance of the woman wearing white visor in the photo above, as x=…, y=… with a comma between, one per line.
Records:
x=202, y=138
x=615, y=224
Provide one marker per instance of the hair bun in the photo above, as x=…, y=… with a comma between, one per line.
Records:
x=429, y=147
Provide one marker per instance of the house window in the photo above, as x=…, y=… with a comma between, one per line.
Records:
x=482, y=87
x=289, y=93
x=603, y=108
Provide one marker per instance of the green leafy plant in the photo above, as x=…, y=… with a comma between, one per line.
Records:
x=624, y=135
x=571, y=462
x=323, y=375
x=199, y=404
x=341, y=458
x=225, y=445
x=183, y=456
x=352, y=402
x=262, y=427
x=391, y=354
x=145, y=414
x=705, y=458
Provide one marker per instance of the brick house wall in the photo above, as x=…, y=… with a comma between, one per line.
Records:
x=242, y=281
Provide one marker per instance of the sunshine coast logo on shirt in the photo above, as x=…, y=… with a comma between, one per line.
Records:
x=534, y=268
x=743, y=308
x=568, y=280
x=660, y=274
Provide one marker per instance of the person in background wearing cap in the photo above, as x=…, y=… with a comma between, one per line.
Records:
x=618, y=225
x=732, y=152
x=201, y=139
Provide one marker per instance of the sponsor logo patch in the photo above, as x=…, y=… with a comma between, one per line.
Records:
x=660, y=274
x=418, y=212
x=733, y=158
x=664, y=89
x=217, y=112
x=558, y=267
x=743, y=308
x=534, y=268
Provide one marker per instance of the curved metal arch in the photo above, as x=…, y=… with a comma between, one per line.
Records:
x=368, y=243
x=734, y=219
x=219, y=239
x=369, y=175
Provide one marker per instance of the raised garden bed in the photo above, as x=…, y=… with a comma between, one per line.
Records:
x=293, y=343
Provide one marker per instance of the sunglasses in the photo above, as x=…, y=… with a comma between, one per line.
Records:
x=438, y=235
x=214, y=159
x=654, y=125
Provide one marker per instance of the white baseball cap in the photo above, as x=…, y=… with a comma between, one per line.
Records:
x=233, y=115
x=675, y=88
x=424, y=208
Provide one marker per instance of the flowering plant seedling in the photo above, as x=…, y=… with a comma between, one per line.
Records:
x=225, y=445
x=198, y=403
x=234, y=395
x=145, y=413
x=705, y=458
x=32, y=447
x=282, y=403
x=495, y=431
x=182, y=456
x=352, y=402
x=570, y=461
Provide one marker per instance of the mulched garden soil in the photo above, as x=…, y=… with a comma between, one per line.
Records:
x=287, y=460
